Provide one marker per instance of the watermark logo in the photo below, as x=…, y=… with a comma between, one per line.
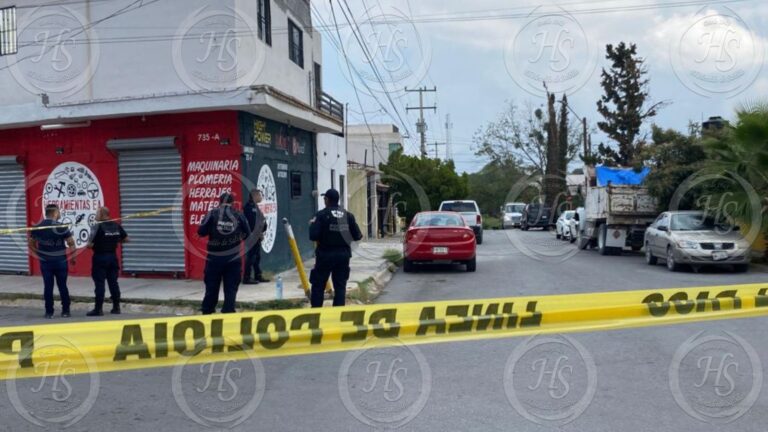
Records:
x=58, y=51
x=218, y=49
x=551, y=48
x=62, y=396
x=385, y=387
x=715, y=378
x=718, y=54
x=550, y=380
x=387, y=52
x=219, y=395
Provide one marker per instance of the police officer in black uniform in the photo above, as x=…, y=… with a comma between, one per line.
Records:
x=50, y=241
x=258, y=224
x=106, y=235
x=334, y=229
x=225, y=228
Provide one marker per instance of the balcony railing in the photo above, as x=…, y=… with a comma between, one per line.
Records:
x=331, y=106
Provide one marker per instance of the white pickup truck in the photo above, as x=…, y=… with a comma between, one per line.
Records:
x=617, y=209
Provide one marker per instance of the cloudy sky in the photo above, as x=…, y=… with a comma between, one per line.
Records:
x=704, y=58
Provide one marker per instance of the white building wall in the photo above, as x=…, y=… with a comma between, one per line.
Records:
x=331, y=163
x=363, y=151
x=160, y=49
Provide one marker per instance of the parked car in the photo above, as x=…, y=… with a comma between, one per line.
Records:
x=563, y=223
x=692, y=237
x=571, y=229
x=470, y=212
x=441, y=238
x=511, y=215
x=536, y=216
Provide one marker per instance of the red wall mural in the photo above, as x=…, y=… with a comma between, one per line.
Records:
x=74, y=168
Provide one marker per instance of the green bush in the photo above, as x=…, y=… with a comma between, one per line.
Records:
x=393, y=255
x=490, y=222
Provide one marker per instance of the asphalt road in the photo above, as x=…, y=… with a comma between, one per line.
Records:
x=693, y=377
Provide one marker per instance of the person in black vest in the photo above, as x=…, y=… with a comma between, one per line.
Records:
x=258, y=224
x=225, y=228
x=334, y=229
x=50, y=241
x=106, y=235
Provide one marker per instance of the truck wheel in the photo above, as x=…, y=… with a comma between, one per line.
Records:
x=479, y=238
x=583, y=240
x=602, y=232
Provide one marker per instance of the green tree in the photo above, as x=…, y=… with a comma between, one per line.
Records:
x=739, y=155
x=420, y=184
x=491, y=186
x=673, y=158
x=623, y=104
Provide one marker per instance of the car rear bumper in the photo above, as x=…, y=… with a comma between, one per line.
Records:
x=456, y=252
x=704, y=257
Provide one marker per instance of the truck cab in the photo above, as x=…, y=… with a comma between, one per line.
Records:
x=512, y=214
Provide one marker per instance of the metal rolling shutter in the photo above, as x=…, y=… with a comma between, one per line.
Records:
x=150, y=179
x=14, y=255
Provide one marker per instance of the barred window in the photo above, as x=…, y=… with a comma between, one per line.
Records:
x=265, y=22
x=8, y=31
x=295, y=44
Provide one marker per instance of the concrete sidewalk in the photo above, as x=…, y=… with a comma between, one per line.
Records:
x=367, y=264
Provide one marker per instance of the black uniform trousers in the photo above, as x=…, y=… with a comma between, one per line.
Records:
x=55, y=270
x=218, y=269
x=333, y=263
x=105, y=267
x=253, y=263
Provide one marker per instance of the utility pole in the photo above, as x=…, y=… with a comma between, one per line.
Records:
x=437, y=144
x=421, y=125
x=448, y=145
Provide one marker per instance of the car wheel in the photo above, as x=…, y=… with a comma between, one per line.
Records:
x=524, y=227
x=649, y=258
x=672, y=265
x=471, y=265
x=741, y=268
x=558, y=235
x=583, y=241
x=407, y=266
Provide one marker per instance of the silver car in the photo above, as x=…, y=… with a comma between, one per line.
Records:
x=691, y=237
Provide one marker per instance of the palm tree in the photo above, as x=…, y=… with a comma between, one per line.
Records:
x=738, y=154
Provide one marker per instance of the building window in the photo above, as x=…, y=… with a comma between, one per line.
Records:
x=295, y=184
x=265, y=22
x=393, y=147
x=295, y=44
x=8, y=44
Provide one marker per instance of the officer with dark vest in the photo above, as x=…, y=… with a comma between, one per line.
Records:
x=106, y=235
x=50, y=241
x=225, y=228
x=334, y=229
x=258, y=224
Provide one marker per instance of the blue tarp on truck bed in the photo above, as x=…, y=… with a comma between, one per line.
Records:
x=620, y=176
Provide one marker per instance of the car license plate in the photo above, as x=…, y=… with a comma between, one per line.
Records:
x=439, y=250
x=719, y=256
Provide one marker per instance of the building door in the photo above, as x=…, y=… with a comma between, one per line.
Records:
x=150, y=180
x=14, y=256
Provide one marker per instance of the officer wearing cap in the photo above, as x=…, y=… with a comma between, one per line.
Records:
x=225, y=228
x=106, y=235
x=334, y=229
x=258, y=224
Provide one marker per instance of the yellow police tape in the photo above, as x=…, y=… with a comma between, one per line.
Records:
x=102, y=346
x=6, y=231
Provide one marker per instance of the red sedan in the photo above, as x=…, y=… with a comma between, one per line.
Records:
x=439, y=238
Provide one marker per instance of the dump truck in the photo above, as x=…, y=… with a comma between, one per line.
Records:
x=617, y=209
